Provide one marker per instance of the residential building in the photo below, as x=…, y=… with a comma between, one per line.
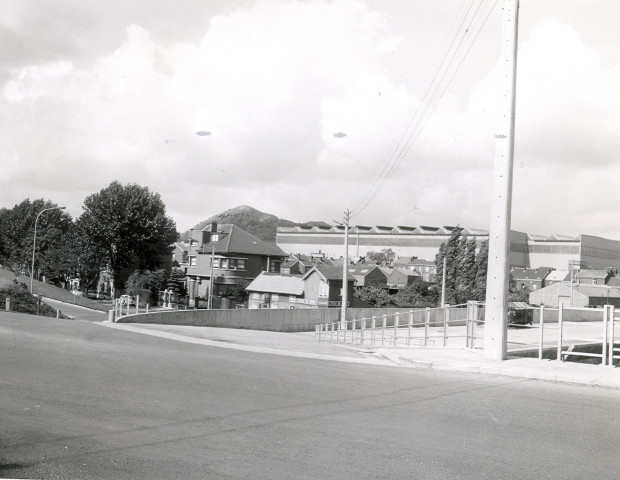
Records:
x=226, y=257
x=592, y=277
x=274, y=290
x=556, y=276
x=323, y=284
x=401, y=278
x=529, y=278
x=368, y=275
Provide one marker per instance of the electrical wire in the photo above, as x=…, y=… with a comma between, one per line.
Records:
x=433, y=92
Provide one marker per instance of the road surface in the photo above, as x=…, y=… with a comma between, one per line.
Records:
x=79, y=400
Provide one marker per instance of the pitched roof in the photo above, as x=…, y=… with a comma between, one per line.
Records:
x=329, y=273
x=598, y=290
x=233, y=239
x=592, y=274
x=558, y=276
x=409, y=273
x=277, y=283
x=530, y=273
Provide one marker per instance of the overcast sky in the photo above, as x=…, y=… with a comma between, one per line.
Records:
x=304, y=102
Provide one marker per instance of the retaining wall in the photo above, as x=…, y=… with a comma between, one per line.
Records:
x=275, y=320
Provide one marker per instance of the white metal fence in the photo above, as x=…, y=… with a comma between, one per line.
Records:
x=556, y=333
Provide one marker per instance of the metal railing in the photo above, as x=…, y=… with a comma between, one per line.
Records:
x=562, y=332
x=421, y=327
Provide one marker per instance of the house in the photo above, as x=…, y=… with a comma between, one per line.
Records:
x=179, y=254
x=529, y=278
x=556, y=276
x=581, y=295
x=368, y=275
x=275, y=290
x=323, y=285
x=226, y=258
x=401, y=278
x=300, y=264
x=426, y=268
x=592, y=277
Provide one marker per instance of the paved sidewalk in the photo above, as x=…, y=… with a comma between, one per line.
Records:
x=449, y=359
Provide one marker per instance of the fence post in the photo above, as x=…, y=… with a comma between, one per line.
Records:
x=410, y=328
x=8, y=305
x=137, y=304
x=147, y=308
x=384, y=323
x=396, y=323
x=373, y=325
x=427, y=319
x=611, y=337
x=542, y=332
x=353, y=327
x=58, y=313
x=605, y=322
x=362, y=331
x=446, y=321
x=560, y=314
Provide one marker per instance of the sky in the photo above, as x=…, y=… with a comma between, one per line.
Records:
x=303, y=106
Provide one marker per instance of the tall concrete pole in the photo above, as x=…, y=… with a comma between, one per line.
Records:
x=345, y=268
x=496, y=311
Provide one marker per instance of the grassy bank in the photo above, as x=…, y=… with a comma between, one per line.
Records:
x=50, y=291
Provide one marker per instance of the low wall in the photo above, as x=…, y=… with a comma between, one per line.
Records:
x=275, y=320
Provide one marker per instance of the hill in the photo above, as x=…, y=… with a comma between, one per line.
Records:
x=260, y=224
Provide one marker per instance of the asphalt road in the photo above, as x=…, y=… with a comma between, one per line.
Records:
x=82, y=401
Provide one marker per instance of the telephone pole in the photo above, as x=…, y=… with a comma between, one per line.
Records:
x=496, y=309
x=345, y=268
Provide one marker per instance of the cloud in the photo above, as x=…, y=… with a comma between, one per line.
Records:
x=305, y=103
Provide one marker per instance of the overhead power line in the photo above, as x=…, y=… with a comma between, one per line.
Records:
x=456, y=48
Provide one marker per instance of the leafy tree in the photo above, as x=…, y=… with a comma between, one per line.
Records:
x=17, y=234
x=419, y=294
x=480, y=284
x=176, y=281
x=384, y=257
x=129, y=226
x=466, y=270
x=376, y=296
x=153, y=281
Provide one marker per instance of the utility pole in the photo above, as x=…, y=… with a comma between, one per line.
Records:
x=443, y=283
x=345, y=268
x=210, y=301
x=496, y=310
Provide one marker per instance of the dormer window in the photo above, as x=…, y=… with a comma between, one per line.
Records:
x=215, y=237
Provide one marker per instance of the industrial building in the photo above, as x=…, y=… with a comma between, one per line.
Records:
x=526, y=250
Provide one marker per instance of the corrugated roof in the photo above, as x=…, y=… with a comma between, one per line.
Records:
x=277, y=283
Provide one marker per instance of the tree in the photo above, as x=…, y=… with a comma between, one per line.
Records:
x=129, y=226
x=376, y=296
x=153, y=281
x=466, y=270
x=17, y=235
x=419, y=294
x=384, y=257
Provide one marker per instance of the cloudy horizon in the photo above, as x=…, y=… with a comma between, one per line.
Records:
x=301, y=104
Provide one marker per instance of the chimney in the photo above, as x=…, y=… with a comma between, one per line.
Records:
x=213, y=227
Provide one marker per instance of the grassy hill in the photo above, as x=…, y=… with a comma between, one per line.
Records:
x=7, y=279
x=259, y=224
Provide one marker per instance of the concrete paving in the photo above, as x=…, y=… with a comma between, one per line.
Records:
x=439, y=358
x=451, y=358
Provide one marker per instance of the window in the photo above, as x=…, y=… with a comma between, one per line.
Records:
x=255, y=296
x=275, y=297
x=242, y=264
x=215, y=237
x=274, y=266
x=192, y=262
x=224, y=264
x=323, y=289
x=216, y=263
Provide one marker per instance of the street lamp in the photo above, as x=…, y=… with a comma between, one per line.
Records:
x=34, y=241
